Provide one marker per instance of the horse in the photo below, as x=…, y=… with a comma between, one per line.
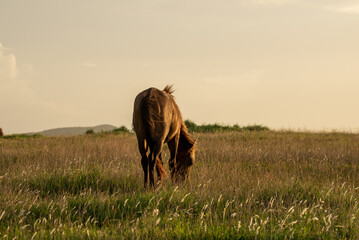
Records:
x=157, y=120
x=1, y=132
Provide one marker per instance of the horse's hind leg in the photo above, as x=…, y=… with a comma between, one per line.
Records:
x=144, y=160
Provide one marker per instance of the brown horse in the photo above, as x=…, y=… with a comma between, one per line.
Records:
x=157, y=120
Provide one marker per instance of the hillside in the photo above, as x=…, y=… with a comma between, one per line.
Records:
x=72, y=131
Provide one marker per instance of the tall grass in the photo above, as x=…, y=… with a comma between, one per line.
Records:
x=243, y=185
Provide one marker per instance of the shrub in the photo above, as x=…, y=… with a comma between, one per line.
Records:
x=90, y=131
x=122, y=129
x=193, y=127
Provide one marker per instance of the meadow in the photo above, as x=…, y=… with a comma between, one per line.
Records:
x=244, y=185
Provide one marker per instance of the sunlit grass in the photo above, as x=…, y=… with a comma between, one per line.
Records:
x=243, y=185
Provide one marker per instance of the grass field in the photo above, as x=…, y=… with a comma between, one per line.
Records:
x=273, y=185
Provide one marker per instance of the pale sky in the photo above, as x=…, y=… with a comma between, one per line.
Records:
x=280, y=63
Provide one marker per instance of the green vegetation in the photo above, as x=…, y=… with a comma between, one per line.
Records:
x=211, y=128
x=90, y=131
x=122, y=129
x=21, y=136
x=244, y=185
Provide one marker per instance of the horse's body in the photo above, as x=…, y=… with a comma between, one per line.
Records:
x=157, y=120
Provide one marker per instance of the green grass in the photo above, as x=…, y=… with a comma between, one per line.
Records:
x=244, y=185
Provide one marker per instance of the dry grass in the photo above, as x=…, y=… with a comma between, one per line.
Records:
x=244, y=185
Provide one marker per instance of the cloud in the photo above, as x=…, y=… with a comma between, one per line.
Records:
x=8, y=69
x=22, y=105
x=344, y=6
x=91, y=65
x=232, y=87
x=19, y=101
x=267, y=2
x=354, y=9
x=14, y=79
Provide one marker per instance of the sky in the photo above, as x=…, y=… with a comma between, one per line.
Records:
x=286, y=64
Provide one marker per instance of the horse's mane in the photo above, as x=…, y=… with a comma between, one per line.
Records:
x=186, y=141
x=169, y=89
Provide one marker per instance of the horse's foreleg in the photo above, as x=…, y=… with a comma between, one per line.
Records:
x=157, y=160
x=173, y=147
x=159, y=164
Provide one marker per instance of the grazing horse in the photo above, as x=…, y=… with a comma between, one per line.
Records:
x=1, y=132
x=157, y=120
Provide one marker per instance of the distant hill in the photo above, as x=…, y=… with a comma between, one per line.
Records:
x=71, y=131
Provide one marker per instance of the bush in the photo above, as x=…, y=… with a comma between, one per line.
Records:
x=90, y=131
x=193, y=127
x=121, y=129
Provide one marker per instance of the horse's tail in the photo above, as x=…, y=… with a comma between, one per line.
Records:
x=146, y=119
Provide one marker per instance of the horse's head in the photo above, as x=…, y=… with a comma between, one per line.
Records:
x=185, y=156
